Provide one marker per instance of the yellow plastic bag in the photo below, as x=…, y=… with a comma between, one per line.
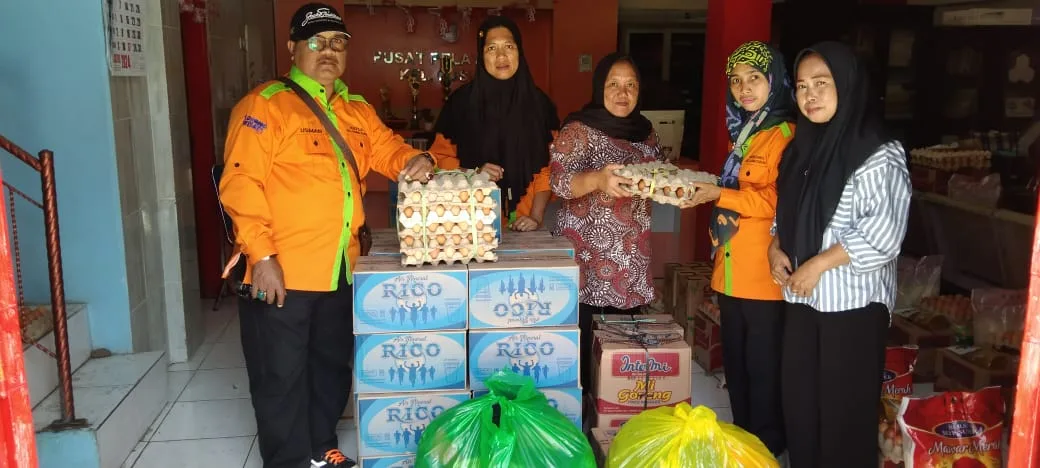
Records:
x=686, y=437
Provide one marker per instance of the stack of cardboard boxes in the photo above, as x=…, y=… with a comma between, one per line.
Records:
x=640, y=362
x=689, y=298
x=427, y=337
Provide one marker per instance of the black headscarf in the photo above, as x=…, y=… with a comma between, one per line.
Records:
x=634, y=127
x=822, y=157
x=504, y=122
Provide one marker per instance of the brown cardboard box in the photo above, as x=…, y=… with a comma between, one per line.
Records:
x=601, y=438
x=705, y=337
x=647, y=368
x=692, y=286
x=668, y=285
x=599, y=321
x=905, y=332
x=977, y=369
x=612, y=421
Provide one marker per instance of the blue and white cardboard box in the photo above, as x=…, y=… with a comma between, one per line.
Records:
x=538, y=290
x=393, y=424
x=548, y=355
x=391, y=298
x=396, y=461
x=565, y=400
x=410, y=362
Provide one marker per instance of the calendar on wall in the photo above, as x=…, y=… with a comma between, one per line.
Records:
x=126, y=37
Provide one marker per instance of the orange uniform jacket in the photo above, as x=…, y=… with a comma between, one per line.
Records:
x=288, y=188
x=445, y=152
x=742, y=265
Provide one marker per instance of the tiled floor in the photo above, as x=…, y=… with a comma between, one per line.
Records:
x=209, y=421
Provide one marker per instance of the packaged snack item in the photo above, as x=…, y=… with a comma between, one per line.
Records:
x=897, y=382
x=1000, y=316
x=917, y=279
x=663, y=182
x=953, y=430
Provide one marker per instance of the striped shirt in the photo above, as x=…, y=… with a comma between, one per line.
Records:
x=870, y=224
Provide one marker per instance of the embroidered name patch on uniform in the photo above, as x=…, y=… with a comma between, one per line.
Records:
x=254, y=123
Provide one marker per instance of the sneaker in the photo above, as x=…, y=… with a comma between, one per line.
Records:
x=333, y=459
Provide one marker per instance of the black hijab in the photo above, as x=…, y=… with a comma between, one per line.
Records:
x=634, y=128
x=504, y=122
x=822, y=157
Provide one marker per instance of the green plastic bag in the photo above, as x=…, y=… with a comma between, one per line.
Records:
x=530, y=433
x=686, y=437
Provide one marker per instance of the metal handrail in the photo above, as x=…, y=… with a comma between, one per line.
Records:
x=44, y=165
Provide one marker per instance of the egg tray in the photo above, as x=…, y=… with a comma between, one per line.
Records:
x=951, y=160
x=448, y=255
x=468, y=187
x=663, y=182
x=486, y=239
x=464, y=227
x=409, y=217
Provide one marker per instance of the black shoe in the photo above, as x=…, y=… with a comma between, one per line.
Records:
x=333, y=459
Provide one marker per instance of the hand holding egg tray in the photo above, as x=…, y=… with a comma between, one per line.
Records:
x=663, y=182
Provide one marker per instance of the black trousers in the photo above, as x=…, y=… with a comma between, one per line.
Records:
x=752, y=335
x=585, y=314
x=832, y=366
x=299, y=358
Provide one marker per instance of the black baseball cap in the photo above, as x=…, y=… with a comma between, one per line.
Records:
x=314, y=18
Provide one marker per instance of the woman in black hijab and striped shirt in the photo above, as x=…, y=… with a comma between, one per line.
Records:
x=502, y=124
x=844, y=195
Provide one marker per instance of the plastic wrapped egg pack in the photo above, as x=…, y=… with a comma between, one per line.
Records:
x=449, y=219
x=663, y=182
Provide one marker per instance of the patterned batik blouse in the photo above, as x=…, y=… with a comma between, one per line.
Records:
x=611, y=236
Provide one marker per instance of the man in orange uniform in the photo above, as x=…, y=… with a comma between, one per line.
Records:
x=296, y=203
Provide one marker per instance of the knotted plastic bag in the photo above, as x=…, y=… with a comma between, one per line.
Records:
x=686, y=437
x=513, y=426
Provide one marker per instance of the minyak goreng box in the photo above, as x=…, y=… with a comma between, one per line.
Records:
x=548, y=355
x=565, y=400
x=393, y=424
x=391, y=298
x=410, y=362
x=395, y=461
x=525, y=243
x=524, y=291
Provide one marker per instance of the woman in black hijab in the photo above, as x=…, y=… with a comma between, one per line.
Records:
x=502, y=123
x=844, y=193
x=610, y=230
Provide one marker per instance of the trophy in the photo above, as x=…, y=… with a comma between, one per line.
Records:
x=448, y=74
x=415, y=77
x=384, y=97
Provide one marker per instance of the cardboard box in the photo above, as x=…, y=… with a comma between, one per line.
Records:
x=611, y=421
x=392, y=424
x=601, y=438
x=641, y=370
x=390, y=298
x=692, y=287
x=397, y=461
x=549, y=355
x=671, y=292
x=705, y=337
x=565, y=400
x=667, y=283
x=524, y=243
x=537, y=290
x=905, y=332
x=385, y=243
x=599, y=321
x=410, y=362
x=978, y=369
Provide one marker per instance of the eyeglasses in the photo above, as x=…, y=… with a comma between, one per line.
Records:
x=318, y=43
